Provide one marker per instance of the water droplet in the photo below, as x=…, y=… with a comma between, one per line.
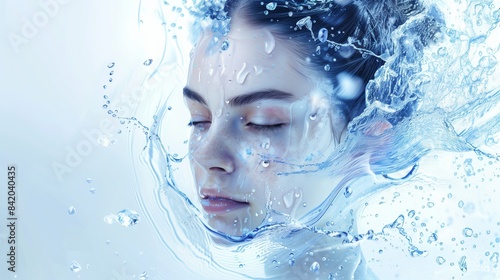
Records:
x=75, y=266
x=127, y=217
x=92, y=190
x=266, y=13
x=88, y=180
x=271, y=6
x=110, y=80
x=266, y=144
x=327, y=67
x=450, y=195
x=440, y=260
x=460, y=204
x=290, y=14
x=411, y=214
x=380, y=251
x=430, y=204
x=143, y=276
x=104, y=87
x=418, y=253
x=148, y=62
x=462, y=264
x=469, y=170
x=265, y=163
x=109, y=219
x=111, y=73
x=314, y=267
x=494, y=258
x=347, y=192
x=71, y=210
x=108, y=242
x=305, y=22
x=304, y=204
x=241, y=265
x=432, y=238
x=467, y=232
x=323, y=35
x=313, y=116
x=111, y=65
x=225, y=45
x=291, y=262
x=242, y=74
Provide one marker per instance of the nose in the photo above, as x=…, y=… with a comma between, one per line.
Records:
x=213, y=152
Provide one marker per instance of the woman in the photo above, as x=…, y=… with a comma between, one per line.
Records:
x=272, y=94
x=271, y=91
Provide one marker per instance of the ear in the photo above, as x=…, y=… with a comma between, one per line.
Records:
x=377, y=127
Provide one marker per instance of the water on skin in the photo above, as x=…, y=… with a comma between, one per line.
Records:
x=447, y=119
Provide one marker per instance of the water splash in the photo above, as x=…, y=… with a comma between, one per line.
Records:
x=452, y=86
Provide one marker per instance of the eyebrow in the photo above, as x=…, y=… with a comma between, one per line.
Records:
x=243, y=99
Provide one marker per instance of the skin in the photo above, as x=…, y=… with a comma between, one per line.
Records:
x=257, y=112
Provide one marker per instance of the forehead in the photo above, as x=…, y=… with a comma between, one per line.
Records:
x=254, y=60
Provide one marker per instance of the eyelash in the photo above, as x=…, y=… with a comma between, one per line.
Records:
x=272, y=127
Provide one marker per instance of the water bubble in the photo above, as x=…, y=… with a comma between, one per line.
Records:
x=462, y=264
x=440, y=260
x=111, y=65
x=148, y=62
x=225, y=45
x=327, y=67
x=290, y=14
x=71, y=210
x=144, y=275
x=347, y=192
x=271, y=6
x=467, y=232
x=323, y=35
x=127, y=217
x=75, y=266
x=266, y=13
x=314, y=267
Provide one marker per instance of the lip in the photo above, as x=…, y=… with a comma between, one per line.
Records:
x=216, y=204
x=221, y=205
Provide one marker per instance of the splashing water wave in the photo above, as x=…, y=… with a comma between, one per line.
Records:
x=438, y=93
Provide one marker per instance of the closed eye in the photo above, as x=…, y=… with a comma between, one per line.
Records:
x=267, y=127
x=198, y=124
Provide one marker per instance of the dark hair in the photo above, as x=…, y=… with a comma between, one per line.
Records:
x=357, y=34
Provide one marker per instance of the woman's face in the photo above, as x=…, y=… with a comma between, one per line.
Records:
x=258, y=115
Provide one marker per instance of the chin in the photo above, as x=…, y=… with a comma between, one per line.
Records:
x=231, y=225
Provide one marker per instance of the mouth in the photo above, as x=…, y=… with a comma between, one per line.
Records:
x=221, y=205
